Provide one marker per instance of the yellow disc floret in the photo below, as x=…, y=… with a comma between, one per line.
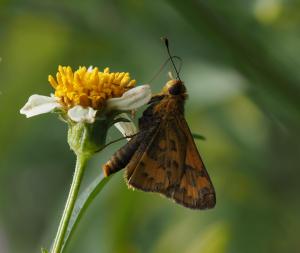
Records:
x=89, y=87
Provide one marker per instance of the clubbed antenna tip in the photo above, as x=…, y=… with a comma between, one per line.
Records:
x=166, y=41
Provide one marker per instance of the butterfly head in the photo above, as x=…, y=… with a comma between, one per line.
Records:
x=174, y=87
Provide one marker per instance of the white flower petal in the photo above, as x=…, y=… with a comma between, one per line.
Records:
x=38, y=104
x=80, y=114
x=131, y=99
x=126, y=128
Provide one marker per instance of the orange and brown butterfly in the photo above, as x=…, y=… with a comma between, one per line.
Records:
x=162, y=157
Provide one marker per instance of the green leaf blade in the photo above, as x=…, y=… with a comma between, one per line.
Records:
x=81, y=205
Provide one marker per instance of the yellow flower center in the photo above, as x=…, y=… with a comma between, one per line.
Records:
x=89, y=87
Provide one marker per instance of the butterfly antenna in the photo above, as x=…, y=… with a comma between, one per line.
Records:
x=171, y=57
x=164, y=65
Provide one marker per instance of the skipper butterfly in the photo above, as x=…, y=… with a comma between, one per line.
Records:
x=162, y=157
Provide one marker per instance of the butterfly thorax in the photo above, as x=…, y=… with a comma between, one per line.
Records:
x=174, y=95
x=169, y=105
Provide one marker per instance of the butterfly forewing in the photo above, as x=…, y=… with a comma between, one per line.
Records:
x=171, y=165
x=196, y=189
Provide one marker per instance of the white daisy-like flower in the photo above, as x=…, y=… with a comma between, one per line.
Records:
x=81, y=94
x=38, y=104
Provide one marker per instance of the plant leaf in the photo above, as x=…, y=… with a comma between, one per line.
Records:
x=82, y=203
x=198, y=136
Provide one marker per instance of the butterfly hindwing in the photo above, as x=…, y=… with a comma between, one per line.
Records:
x=139, y=154
x=136, y=146
x=145, y=170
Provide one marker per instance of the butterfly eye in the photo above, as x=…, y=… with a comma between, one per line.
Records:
x=176, y=89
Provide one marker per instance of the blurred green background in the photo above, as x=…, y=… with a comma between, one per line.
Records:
x=241, y=68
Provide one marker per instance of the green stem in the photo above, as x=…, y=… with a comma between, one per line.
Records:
x=77, y=178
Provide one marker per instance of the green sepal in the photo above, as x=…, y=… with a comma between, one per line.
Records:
x=62, y=114
x=121, y=120
x=86, y=138
x=89, y=138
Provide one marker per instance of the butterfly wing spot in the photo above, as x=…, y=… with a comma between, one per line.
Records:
x=169, y=173
x=188, y=171
x=162, y=145
x=143, y=165
x=168, y=163
x=173, y=145
x=204, y=191
x=145, y=174
x=175, y=164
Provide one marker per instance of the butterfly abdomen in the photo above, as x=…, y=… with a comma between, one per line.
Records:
x=121, y=158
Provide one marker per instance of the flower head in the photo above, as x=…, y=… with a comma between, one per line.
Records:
x=90, y=101
x=89, y=87
x=82, y=93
